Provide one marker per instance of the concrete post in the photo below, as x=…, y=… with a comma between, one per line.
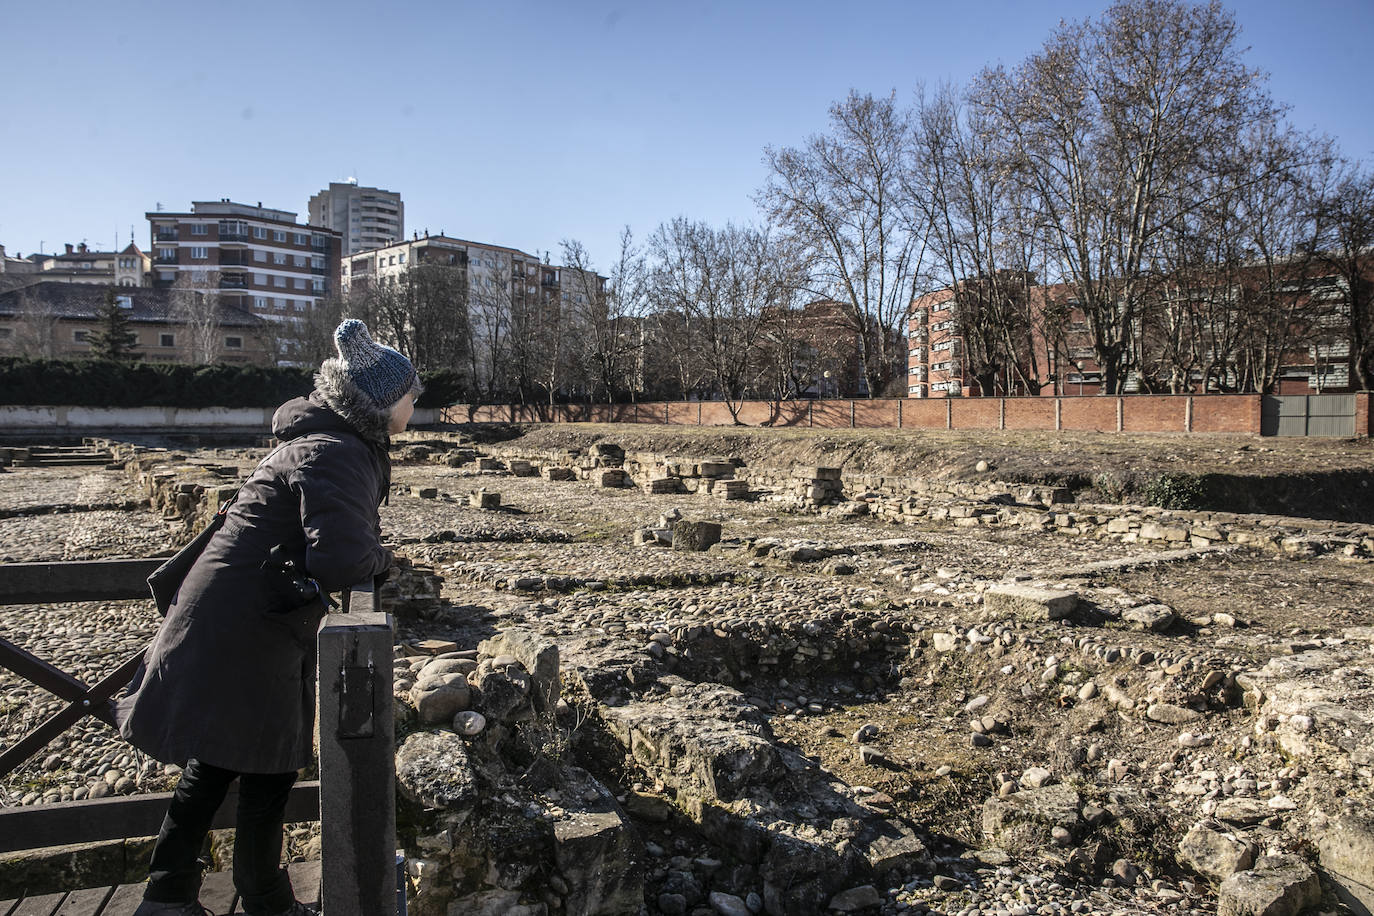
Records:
x=357, y=766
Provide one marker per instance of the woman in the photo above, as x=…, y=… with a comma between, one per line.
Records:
x=228, y=685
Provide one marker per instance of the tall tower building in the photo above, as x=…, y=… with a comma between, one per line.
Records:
x=366, y=218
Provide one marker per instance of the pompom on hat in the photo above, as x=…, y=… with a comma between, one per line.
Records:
x=381, y=373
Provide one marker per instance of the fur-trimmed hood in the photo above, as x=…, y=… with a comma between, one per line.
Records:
x=341, y=395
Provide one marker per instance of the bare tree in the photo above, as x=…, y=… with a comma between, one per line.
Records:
x=35, y=334
x=980, y=242
x=603, y=315
x=724, y=281
x=840, y=197
x=421, y=311
x=1343, y=244
x=1122, y=122
x=195, y=304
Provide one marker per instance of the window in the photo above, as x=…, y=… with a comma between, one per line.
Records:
x=278, y=258
x=259, y=232
x=166, y=340
x=260, y=256
x=300, y=260
x=80, y=336
x=278, y=235
x=200, y=229
x=300, y=283
x=262, y=302
x=301, y=239
x=299, y=304
x=403, y=258
x=124, y=302
x=279, y=282
x=260, y=279
x=166, y=254
x=199, y=253
x=233, y=343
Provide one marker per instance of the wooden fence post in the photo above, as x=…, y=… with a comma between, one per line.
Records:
x=357, y=766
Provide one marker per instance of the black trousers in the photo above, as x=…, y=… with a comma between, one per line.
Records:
x=174, y=873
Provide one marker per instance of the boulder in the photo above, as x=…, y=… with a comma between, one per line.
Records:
x=1214, y=854
x=537, y=654
x=438, y=699
x=1154, y=617
x=1025, y=820
x=1276, y=886
x=433, y=770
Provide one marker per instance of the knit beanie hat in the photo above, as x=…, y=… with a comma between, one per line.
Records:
x=381, y=373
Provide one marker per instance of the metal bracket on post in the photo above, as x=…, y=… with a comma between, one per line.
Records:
x=357, y=764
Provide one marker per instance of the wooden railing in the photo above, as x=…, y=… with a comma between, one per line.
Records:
x=356, y=811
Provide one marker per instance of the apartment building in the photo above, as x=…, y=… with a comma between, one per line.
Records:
x=365, y=218
x=80, y=264
x=1309, y=351
x=494, y=268
x=255, y=258
x=55, y=319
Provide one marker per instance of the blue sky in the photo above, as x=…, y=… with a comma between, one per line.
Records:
x=517, y=123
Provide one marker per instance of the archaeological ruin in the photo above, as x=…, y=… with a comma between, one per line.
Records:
x=782, y=674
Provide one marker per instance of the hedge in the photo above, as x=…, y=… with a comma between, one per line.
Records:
x=103, y=383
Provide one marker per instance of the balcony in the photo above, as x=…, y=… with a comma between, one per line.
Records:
x=319, y=244
x=165, y=259
x=233, y=283
x=319, y=271
x=165, y=235
x=234, y=237
x=235, y=259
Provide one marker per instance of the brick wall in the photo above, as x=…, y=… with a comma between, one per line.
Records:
x=1174, y=413
x=1153, y=413
x=1030, y=413
x=1088, y=414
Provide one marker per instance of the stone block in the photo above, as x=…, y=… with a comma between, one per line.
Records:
x=521, y=468
x=663, y=485
x=489, y=464
x=1346, y=850
x=817, y=473
x=606, y=454
x=610, y=477
x=557, y=472
x=1030, y=603
x=691, y=536
x=715, y=469
x=731, y=489
x=595, y=852
x=1153, y=531
x=1118, y=526
x=425, y=492
x=484, y=499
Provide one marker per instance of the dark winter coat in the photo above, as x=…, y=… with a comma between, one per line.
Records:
x=230, y=678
